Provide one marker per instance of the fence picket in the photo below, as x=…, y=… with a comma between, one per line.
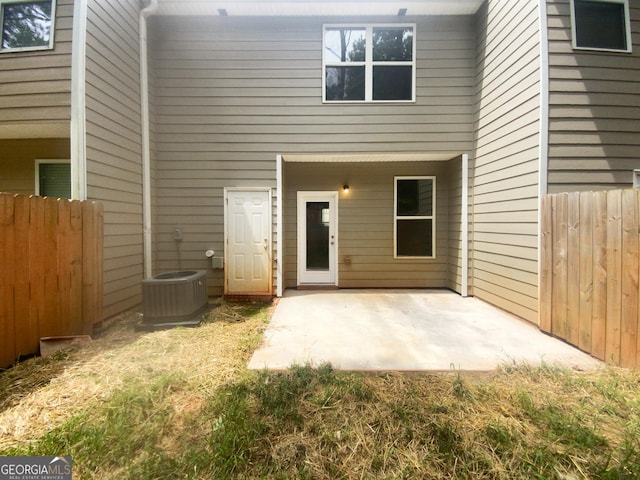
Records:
x=26, y=328
x=629, y=308
x=585, y=313
x=37, y=260
x=75, y=266
x=546, y=267
x=560, y=270
x=573, y=269
x=614, y=275
x=599, y=321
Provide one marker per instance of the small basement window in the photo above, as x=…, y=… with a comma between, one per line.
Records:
x=414, y=217
x=53, y=178
x=601, y=25
x=27, y=25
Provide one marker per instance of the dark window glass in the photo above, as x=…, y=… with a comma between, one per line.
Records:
x=414, y=238
x=317, y=236
x=26, y=24
x=392, y=44
x=414, y=197
x=55, y=180
x=600, y=25
x=392, y=83
x=344, y=45
x=345, y=83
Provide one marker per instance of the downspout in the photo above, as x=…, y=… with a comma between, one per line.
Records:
x=78, y=124
x=145, y=138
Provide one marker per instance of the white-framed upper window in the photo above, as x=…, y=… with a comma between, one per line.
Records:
x=601, y=25
x=53, y=178
x=414, y=229
x=369, y=63
x=27, y=25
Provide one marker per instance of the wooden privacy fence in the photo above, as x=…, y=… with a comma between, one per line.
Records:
x=50, y=271
x=589, y=276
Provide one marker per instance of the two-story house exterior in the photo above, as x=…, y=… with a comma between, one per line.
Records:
x=336, y=144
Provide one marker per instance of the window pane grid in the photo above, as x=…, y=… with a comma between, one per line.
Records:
x=388, y=66
x=414, y=217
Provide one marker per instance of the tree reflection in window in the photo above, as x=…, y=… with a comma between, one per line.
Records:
x=26, y=24
x=345, y=49
x=369, y=63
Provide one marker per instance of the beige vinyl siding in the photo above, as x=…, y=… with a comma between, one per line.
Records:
x=365, y=222
x=453, y=174
x=17, y=161
x=35, y=86
x=232, y=93
x=594, y=109
x=114, y=174
x=505, y=181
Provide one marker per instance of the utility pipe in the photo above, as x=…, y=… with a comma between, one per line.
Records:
x=146, y=144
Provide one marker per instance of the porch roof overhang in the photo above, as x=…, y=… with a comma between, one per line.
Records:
x=369, y=157
x=318, y=7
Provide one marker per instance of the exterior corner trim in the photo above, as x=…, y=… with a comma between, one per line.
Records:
x=279, y=225
x=78, y=123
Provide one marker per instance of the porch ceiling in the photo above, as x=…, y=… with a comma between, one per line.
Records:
x=318, y=7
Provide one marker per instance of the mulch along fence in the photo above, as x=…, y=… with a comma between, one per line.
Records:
x=50, y=271
x=589, y=292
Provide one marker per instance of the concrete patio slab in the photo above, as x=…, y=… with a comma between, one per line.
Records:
x=405, y=330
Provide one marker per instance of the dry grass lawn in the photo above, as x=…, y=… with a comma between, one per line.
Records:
x=181, y=403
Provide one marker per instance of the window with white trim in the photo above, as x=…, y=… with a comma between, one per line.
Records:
x=601, y=25
x=414, y=217
x=369, y=63
x=53, y=178
x=26, y=25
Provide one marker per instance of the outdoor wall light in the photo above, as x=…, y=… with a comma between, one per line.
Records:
x=345, y=188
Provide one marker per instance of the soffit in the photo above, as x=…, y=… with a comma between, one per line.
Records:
x=317, y=7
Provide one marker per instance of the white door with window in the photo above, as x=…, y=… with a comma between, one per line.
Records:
x=248, y=241
x=317, y=238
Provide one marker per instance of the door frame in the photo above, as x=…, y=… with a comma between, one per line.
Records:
x=269, y=191
x=302, y=197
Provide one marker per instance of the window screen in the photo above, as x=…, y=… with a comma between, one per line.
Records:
x=600, y=25
x=54, y=180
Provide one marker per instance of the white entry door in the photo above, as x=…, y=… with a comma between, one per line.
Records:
x=317, y=238
x=248, y=241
